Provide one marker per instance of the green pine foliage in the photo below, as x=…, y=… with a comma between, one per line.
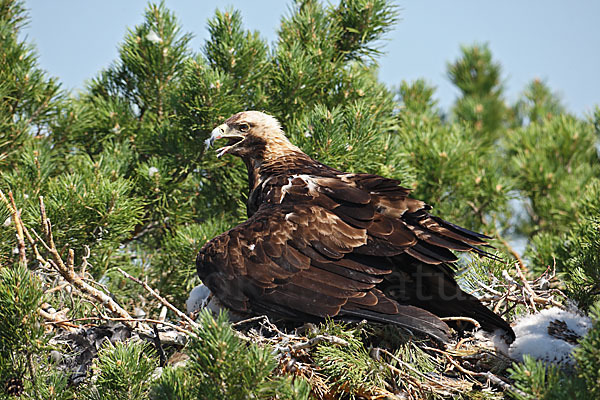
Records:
x=582, y=263
x=350, y=369
x=174, y=384
x=23, y=344
x=537, y=103
x=124, y=371
x=127, y=183
x=479, y=79
x=588, y=355
x=20, y=297
x=536, y=380
x=30, y=100
x=552, y=174
x=576, y=252
x=222, y=366
x=417, y=100
x=174, y=268
x=454, y=169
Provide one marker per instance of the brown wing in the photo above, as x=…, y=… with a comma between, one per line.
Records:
x=401, y=236
x=395, y=223
x=298, y=262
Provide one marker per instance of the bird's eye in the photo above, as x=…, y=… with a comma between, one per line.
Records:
x=244, y=127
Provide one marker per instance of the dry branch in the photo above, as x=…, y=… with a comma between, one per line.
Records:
x=311, y=343
x=494, y=379
x=127, y=320
x=520, y=267
x=159, y=298
x=467, y=319
x=66, y=270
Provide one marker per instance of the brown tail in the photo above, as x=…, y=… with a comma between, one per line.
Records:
x=434, y=288
x=411, y=318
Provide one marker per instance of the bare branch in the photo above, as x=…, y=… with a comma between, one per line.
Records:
x=16, y=216
x=119, y=319
x=520, y=267
x=416, y=371
x=487, y=375
x=159, y=298
x=467, y=319
x=53, y=318
x=311, y=343
x=68, y=273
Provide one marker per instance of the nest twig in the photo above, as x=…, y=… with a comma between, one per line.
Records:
x=157, y=296
x=503, y=295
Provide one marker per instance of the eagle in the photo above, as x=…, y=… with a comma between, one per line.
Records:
x=322, y=243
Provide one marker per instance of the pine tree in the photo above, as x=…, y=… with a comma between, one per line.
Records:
x=479, y=79
x=30, y=100
x=537, y=103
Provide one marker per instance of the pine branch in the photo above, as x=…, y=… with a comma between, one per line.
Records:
x=312, y=343
x=159, y=298
x=520, y=267
x=475, y=323
x=131, y=322
x=53, y=318
x=487, y=375
x=65, y=269
x=16, y=216
x=438, y=384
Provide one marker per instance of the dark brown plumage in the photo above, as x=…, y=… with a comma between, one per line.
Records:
x=323, y=243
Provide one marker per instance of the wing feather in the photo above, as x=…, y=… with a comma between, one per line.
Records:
x=341, y=270
x=292, y=261
x=321, y=246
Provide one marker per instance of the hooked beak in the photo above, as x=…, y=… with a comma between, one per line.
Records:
x=224, y=132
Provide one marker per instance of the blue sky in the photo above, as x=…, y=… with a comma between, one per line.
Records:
x=557, y=41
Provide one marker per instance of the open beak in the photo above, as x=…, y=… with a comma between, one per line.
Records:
x=224, y=132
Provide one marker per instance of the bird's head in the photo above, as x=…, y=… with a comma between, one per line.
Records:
x=252, y=135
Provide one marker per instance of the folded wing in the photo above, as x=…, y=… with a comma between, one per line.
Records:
x=298, y=262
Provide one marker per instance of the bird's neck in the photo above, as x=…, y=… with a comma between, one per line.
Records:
x=272, y=163
x=268, y=172
x=253, y=167
x=292, y=162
